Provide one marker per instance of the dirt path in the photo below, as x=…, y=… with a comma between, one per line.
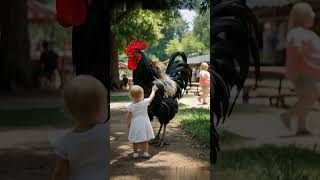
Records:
x=183, y=158
x=27, y=153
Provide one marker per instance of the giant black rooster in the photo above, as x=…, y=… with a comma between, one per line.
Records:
x=234, y=44
x=171, y=83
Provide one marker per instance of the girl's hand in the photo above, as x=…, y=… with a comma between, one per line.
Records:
x=154, y=88
x=129, y=125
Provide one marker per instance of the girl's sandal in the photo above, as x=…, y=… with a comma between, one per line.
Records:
x=135, y=155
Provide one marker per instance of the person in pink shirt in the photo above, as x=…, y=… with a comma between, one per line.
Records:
x=204, y=82
x=303, y=65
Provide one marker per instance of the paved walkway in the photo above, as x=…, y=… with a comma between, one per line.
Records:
x=266, y=128
x=261, y=123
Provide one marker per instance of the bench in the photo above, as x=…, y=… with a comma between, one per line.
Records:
x=194, y=88
x=275, y=93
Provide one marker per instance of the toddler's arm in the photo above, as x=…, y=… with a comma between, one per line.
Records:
x=129, y=116
x=153, y=93
x=61, y=171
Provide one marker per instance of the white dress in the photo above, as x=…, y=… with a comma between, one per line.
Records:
x=87, y=152
x=140, y=128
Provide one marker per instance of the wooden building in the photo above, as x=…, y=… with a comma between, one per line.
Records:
x=194, y=62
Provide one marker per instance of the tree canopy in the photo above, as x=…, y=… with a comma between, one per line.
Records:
x=176, y=29
x=201, y=29
x=141, y=24
x=195, y=42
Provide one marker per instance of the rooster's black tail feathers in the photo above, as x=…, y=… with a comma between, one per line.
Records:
x=179, y=71
x=234, y=45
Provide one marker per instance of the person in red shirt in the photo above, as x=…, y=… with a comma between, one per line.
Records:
x=204, y=82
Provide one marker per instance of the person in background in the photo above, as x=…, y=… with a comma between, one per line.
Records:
x=303, y=65
x=125, y=81
x=204, y=82
x=197, y=75
x=194, y=75
x=49, y=62
x=280, y=54
x=269, y=43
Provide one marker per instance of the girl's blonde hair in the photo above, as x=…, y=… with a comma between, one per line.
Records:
x=299, y=13
x=84, y=96
x=204, y=66
x=136, y=92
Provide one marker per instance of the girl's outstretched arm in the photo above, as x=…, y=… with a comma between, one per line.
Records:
x=153, y=93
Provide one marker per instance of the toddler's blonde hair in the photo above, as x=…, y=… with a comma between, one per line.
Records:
x=204, y=66
x=83, y=97
x=299, y=13
x=136, y=92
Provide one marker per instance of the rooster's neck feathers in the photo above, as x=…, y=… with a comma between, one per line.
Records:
x=169, y=86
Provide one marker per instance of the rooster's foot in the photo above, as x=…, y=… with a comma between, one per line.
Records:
x=161, y=143
x=154, y=140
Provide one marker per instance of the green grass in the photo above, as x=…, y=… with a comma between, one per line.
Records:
x=197, y=122
x=119, y=98
x=229, y=138
x=268, y=163
x=32, y=117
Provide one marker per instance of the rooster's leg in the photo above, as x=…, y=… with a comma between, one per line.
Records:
x=156, y=139
x=162, y=142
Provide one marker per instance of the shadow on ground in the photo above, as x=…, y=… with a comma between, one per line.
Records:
x=35, y=163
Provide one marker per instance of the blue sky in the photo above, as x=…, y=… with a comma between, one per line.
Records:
x=188, y=16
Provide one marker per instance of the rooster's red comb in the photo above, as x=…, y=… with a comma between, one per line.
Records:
x=134, y=46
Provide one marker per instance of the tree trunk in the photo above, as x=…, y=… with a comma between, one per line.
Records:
x=114, y=71
x=15, y=64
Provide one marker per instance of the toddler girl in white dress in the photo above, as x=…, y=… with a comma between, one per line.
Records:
x=140, y=129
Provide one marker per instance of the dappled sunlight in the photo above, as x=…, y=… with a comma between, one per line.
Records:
x=118, y=105
x=163, y=172
x=119, y=133
x=124, y=147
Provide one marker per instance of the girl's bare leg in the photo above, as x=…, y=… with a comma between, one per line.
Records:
x=201, y=96
x=205, y=95
x=146, y=146
x=135, y=147
x=307, y=97
x=304, y=107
